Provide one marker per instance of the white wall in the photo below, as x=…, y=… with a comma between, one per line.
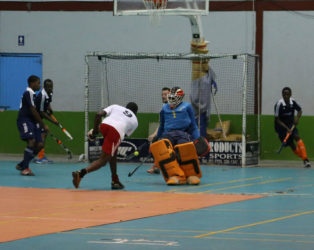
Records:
x=65, y=37
x=288, y=59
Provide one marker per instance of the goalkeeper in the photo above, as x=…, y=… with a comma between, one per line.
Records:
x=175, y=152
x=284, y=119
x=201, y=90
x=118, y=122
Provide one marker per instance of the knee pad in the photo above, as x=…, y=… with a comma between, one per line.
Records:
x=188, y=159
x=166, y=160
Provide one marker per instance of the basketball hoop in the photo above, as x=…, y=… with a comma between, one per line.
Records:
x=155, y=8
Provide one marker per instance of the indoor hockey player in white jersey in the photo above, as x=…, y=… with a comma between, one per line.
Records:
x=118, y=122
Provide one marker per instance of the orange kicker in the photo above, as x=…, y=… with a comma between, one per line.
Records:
x=28, y=212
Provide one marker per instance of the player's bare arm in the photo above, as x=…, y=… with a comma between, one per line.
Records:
x=38, y=118
x=97, y=121
x=48, y=117
x=297, y=118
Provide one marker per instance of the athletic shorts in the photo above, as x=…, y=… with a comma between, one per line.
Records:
x=29, y=130
x=177, y=137
x=111, y=139
x=282, y=135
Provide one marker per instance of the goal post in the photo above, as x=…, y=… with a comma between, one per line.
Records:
x=118, y=78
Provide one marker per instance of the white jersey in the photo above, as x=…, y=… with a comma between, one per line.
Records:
x=122, y=119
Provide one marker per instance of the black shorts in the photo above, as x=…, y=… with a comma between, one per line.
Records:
x=29, y=130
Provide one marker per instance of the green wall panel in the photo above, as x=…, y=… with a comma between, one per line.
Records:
x=74, y=122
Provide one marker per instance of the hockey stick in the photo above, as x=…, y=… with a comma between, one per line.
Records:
x=141, y=164
x=218, y=114
x=62, y=145
x=62, y=128
x=284, y=142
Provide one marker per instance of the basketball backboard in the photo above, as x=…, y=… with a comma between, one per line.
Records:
x=163, y=7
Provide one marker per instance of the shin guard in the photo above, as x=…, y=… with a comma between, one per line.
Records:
x=41, y=154
x=188, y=159
x=301, y=148
x=166, y=160
x=297, y=152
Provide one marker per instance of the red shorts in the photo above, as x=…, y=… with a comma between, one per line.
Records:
x=111, y=139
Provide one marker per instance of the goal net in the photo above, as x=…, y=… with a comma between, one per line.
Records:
x=118, y=78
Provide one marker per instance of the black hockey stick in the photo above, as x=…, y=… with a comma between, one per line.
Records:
x=62, y=145
x=141, y=164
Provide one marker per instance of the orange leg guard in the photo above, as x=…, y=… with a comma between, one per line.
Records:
x=166, y=160
x=189, y=163
x=302, y=150
x=41, y=154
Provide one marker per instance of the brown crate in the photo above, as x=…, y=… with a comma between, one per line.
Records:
x=225, y=126
x=213, y=134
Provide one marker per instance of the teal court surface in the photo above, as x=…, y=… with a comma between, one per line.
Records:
x=233, y=208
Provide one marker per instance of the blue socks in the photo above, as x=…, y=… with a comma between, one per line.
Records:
x=28, y=156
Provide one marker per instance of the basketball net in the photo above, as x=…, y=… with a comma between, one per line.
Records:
x=155, y=8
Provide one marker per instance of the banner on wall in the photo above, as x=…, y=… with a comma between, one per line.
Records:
x=221, y=152
x=230, y=153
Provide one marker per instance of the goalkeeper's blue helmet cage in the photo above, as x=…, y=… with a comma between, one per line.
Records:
x=175, y=96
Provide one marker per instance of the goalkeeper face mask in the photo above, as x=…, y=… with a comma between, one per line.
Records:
x=175, y=97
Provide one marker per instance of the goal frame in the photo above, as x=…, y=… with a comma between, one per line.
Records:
x=189, y=56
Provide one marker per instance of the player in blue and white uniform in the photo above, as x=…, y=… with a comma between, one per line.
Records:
x=285, y=118
x=29, y=124
x=43, y=105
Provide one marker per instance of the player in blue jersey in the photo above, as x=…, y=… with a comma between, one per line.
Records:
x=284, y=119
x=29, y=124
x=177, y=122
x=175, y=152
x=43, y=105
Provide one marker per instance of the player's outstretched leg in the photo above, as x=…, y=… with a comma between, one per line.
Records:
x=95, y=165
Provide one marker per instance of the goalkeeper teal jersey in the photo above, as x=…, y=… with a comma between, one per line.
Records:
x=180, y=118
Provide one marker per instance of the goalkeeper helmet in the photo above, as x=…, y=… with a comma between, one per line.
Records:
x=175, y=96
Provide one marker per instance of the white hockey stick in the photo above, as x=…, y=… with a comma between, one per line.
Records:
x=218, y=114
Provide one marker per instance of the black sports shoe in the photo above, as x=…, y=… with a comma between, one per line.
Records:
x=76, y=178
x=307, y=164
x=116, y=185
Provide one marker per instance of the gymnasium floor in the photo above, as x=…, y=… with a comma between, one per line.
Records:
x=233, y=208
